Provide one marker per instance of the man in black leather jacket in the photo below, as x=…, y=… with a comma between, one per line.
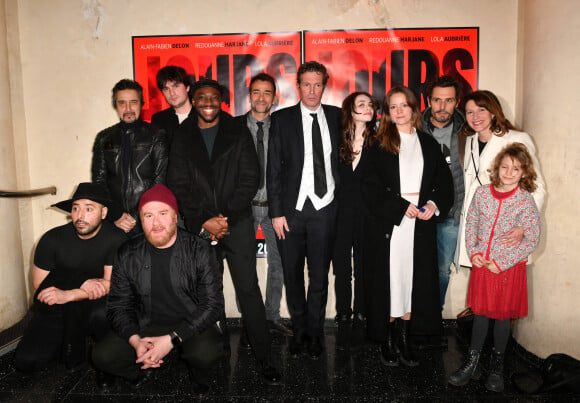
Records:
x=129, y=157
x=166, y=293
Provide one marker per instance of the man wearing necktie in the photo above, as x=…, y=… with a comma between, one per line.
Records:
x=302, y=175
x=262, y=97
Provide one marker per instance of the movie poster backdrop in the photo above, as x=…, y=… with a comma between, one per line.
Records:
x=357, y=60
x=231, y=59
x=376, y=60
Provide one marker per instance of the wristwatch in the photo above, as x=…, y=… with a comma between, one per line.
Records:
x=204, y=234
x=175, y=339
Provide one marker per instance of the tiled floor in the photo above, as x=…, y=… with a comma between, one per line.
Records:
x=336, y=376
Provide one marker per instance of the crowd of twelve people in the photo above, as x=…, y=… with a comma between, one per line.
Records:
x=391, y=202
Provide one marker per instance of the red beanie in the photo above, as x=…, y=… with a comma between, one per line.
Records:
x=159, y=193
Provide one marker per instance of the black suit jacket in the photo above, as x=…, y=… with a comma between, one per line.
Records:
x=243, y=119
x=224, y=184
x=167, y=120
x=286, y=156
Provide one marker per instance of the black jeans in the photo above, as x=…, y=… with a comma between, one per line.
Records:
x=239, y=250
x=115, y=355
x=60, y=331
x=348, y=236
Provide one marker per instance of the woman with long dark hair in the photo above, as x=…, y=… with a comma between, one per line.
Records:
x=408, y=185
x=359, y=116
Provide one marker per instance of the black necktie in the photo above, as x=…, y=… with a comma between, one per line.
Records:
x=260, y=137
x=318, y=158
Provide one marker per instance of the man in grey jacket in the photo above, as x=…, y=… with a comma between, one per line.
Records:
x=443, y=121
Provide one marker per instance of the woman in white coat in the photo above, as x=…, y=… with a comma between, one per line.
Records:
x=488, y=131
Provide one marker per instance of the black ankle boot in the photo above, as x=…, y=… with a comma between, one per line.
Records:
x=244, y=338
x=198, y=385
x=343, y=333
x=495, y=381
x=225, y=334
x=406, y=353
x=74, y=356
x=104, y=380
x=269, y=373
x=357, y=336
x=469, y=369
x=389, y=354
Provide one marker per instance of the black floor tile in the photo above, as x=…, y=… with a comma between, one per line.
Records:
x=336, y=376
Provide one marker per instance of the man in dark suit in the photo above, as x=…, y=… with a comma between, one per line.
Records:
x=174, y=84
x=302, y=175
x=214, y=174
x=262, y=98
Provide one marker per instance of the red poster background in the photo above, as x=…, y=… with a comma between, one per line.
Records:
x=231, y=59
x=376, y=60
x=357, y=60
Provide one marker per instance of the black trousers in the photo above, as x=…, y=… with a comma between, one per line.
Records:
x=115, y=355
x=239, y=250
x=348, y=236
x=59, y=332
x=310, y=237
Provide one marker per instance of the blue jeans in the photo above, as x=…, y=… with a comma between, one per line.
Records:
x=447, y=233
x=275, y=279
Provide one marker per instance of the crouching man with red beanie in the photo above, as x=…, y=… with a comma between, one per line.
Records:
x=166, y=293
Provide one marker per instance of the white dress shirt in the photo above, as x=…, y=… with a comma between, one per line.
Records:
x=307, y=182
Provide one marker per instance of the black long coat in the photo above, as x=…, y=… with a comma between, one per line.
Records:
x=381, y=192
x=224, y=184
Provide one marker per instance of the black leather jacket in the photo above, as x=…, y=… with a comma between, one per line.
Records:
x=194, y=275
x=147, y=167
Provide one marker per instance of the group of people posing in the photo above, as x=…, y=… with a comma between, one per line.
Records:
x=140, y=266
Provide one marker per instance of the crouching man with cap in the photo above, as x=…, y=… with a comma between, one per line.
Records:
x=71, y=274
x=166, y=293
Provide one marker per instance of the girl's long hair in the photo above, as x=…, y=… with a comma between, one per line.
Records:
x=388, y=134
x=519, y=152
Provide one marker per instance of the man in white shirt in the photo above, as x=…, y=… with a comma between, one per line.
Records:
x=302, y=174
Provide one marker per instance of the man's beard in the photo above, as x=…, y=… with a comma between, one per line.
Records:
x=88, y=230
x=447, y=117
x=261, y=108
x=129, y=114
x=160, y=242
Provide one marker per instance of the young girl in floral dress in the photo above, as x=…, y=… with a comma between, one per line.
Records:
x=498, y=284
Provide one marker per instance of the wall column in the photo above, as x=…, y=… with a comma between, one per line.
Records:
x=13, y=286
x=551, y=98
